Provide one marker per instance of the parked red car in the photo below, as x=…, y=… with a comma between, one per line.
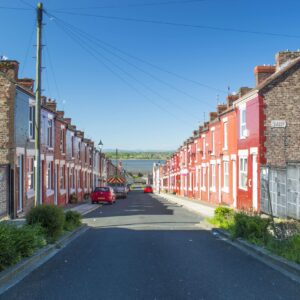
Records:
x=148, y=189
x=103, y=195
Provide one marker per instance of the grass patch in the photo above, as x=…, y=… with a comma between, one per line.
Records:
x=282, y=238
x=72, y=220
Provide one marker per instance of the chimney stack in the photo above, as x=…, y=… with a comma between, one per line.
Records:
x=284, y=57
x=244, y=90
x=10, y=68
x=221, y=108
x=230, y=99
x=51, y=104
x=212, y=116
x=26, y=83
x=68, y=120
x=60, y=113
x=262, y=73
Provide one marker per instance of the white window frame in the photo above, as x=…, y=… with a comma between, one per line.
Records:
x=243, y=120
x=213, y=177
x=213, y=142
x=62, y=140
x=31, y=124
x=204, y=148
x=243, y=171
x=226, y=176
x=30, y=174
x=50, y=133
x=62, y=177
x=49, y=179
x=203, y=181
x=225, y=135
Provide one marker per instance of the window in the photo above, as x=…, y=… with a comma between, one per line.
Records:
x=62, y=177
x=49, y=176
x=72, y=146
x=30, y=174
x=50, y=133
x=203, y=177
x=225, y=135
x=213, y=177
x=79, y=148
x=226, y=175
x=72, y=178
x=31, y=122
x=243, y=170
x=62, y=141
x=212, y=142
x=204, y=148
x=242, y=122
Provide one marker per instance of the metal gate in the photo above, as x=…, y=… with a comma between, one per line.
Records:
x=282, y=198
x=4, y=190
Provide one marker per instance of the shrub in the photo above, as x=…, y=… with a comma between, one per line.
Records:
x=8, y=253
x=28, y=239
x=253, y=228
x=73, y=199
x=223, y=217
x=72, y=220
x=16, y=243
x=50, y=217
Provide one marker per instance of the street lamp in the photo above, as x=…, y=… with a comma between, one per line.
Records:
x=100, y=146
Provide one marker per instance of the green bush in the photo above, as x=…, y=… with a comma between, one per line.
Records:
x=252, y=228
x=223, y=217
x=8, y=253
x=50, y=217
x=72, y=220
x=28, y=239
x=17, y=243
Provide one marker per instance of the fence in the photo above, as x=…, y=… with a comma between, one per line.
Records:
x=280, y=191
x=4, y=190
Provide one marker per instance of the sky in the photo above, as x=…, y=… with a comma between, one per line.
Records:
x=143, y=74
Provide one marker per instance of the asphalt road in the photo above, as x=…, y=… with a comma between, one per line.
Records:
x=145, y=248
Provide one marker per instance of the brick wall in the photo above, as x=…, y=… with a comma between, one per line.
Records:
x=282, y=102
x=7, y=96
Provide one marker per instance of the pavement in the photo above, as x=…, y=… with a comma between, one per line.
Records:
x=145, y=247
x=205, y=209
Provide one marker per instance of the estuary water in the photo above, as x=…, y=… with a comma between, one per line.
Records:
x=144, y=166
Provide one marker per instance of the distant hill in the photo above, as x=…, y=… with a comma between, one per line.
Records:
x=161, y=155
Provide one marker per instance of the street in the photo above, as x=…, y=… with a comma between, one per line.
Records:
x=143, y=247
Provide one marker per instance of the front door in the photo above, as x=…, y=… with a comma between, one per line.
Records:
x=20, y=182
x=234, y=183
x=254, y=182
x=55, y=183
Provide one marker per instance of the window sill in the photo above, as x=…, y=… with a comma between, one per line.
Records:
x=49, y=193
x=225, y=189
x=62, y=192
x=243, y=188
x=225, y=148
x=50, y=148
x=213, y=189
x=203, y=189
x=30, y=194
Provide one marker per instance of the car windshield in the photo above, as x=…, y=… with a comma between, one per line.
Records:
x=101, y=189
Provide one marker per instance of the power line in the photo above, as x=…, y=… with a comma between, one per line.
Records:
x=87, y=36
x=27, y=50
x=134, y=5
x=81, y=43
x=14, y=8
x=27, y=4
x=174, y=24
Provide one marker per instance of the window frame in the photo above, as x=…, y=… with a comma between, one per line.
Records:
x=243, y=122
x=243, y=170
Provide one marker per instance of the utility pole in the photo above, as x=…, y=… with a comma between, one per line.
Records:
x=37, y=181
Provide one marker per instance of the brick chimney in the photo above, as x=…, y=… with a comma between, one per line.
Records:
x=230, y=99
x=60, y=113
x=43, y=100
x=221, y=108
x=26, y=83
x=244, y=90
x=68, y=120
x=213, y=115
x=51, y=104
x=195, y=132
x=283, y=58
x=200, y=129
x=262, y=73
x=10, y=68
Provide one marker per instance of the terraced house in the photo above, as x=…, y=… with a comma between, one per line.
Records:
x=71, y=166
x=247, y=155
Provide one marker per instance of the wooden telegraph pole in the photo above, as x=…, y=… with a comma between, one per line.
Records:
x=37, y=181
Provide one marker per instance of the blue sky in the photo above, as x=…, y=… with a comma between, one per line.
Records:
x=132, y=105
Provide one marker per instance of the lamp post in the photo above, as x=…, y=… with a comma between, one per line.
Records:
x=100, y=146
